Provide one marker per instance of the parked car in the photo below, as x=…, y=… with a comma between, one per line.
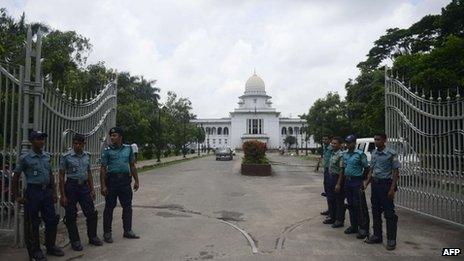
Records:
x=224, y=153
x=367, y=145
x=407, y=156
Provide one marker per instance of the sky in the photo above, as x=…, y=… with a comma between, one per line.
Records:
x=205, y=50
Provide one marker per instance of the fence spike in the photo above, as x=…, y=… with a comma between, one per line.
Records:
x=416, y=92
x=439, y=96
x=457, y=93
x=423, y=94
x=448, y=98
x=431, y=95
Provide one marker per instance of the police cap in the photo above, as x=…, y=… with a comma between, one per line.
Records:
x=350, y=138
x=37, y=135
x=117, y=130
x=78, y=137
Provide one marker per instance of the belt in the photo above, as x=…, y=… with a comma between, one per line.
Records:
x=379, y=180
x=79, y=182
x=118, y=175
x=354, y=178
x=39, y=186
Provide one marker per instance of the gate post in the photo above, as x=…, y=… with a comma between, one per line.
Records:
x=36, y=90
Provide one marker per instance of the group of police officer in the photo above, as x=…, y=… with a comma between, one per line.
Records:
x=347, y=174
x=76, y=186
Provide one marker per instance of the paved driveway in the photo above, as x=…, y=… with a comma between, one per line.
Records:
x=204, y=209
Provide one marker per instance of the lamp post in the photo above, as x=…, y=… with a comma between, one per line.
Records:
x=198, y=139
x=158, y=154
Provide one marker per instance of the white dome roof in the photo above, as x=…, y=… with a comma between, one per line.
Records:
x=255, y=85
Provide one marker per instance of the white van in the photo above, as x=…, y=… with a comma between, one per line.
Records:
x=367, y=145
x=407, y=156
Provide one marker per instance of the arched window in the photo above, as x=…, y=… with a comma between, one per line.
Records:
x=208, y=130
x=226, y=131
x=213, y=131
x=297, y=130
x=284, y=131
x=290, y=130
x=219, y=131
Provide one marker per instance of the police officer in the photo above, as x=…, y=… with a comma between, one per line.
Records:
x=383, y=175
x=326, y=154
x=40, y=197
x=335, y=193
x=75, y=164
x=355, y=165
x=117, y=170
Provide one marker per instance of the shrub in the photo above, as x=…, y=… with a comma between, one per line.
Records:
x=255, y=152
x=147, y=152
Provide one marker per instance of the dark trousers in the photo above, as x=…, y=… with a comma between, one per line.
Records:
x=326, y=184
x=381, y=203
x=359, y=217
x=119, y=186
x=336, y=201
x=79, y=193
x=39, y=199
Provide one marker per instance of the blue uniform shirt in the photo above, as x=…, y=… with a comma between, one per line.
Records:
x=354, y=162
x=36, y=167
x=326, y=154
x=384, y=162
x=117, y=159
x=74, y=165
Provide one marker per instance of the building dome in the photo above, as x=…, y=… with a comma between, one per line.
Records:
x=255, y=85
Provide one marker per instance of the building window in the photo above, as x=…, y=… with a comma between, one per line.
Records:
x=219, y=131
x=284, y=131
x=290, y=130
x=220, y=141
x=226, y=131
x=213, y=131
x=297, y=130
x=255, y=126
x=225, y=141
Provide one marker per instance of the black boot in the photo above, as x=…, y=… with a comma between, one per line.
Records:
x=92, y=221
x=73, y=232
x=127, y=218
x=37, y=256
x=32, y=238
x=373, y=240
x=50, y=238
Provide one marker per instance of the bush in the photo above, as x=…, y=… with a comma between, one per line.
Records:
x=166, y=153
x=148, y=152
x=255, y=152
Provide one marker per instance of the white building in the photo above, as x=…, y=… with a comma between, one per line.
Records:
x=254, y=119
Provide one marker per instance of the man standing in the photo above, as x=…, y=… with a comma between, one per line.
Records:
x=117, y=170
x=40, y=197
x=75, y=164
x=355, y=165
x=135, y=150
x=325, y=158
x=335, y=194
x=384, y=175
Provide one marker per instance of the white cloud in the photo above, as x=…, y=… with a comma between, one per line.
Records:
x=205, y=50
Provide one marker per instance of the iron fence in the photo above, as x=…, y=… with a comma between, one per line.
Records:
x=428, y=134
x=26, y=103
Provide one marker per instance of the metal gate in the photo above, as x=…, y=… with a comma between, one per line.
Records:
x=428, y=134
x=27, y=103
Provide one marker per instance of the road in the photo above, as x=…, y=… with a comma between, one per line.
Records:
x=204, y=209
